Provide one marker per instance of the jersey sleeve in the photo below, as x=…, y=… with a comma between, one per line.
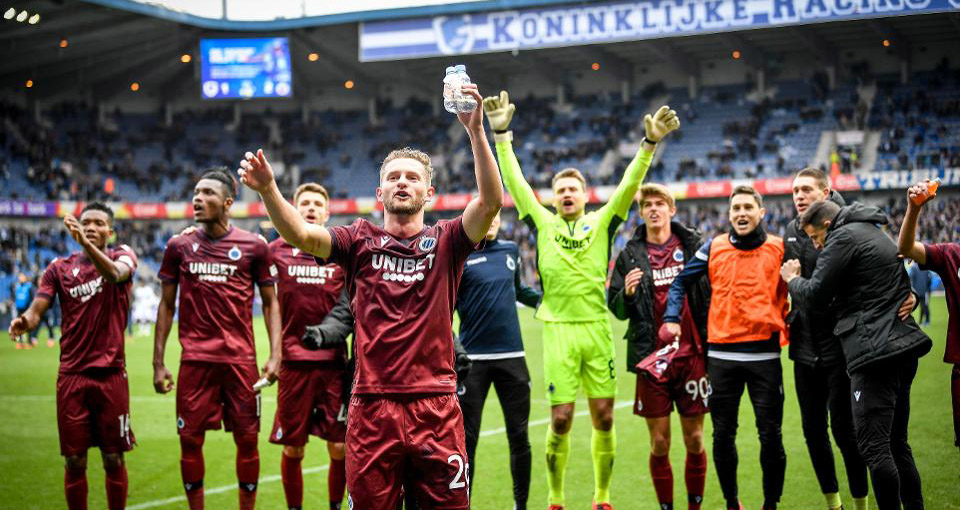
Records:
x=170, y=267
x=526, y=202
x=50, y=282
x=462, y=245
x=935, y=258
x=619, y=203
x=342, y=242
x=264, y=270
x=126, y=256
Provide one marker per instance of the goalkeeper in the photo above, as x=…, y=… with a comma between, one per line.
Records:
x=573, y=254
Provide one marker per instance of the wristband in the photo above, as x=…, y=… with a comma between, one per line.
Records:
x=651, y=142
x=506, y=136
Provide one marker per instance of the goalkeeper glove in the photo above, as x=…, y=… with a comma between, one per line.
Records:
x=660, y=124
x=499, y=111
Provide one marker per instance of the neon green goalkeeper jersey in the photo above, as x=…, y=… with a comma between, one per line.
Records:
x=572, y=257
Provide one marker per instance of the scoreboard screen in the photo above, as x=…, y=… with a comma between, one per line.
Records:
x=245, y=68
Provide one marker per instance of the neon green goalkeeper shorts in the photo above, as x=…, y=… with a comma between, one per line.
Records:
x=575, y=354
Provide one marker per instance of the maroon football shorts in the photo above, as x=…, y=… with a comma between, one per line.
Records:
x=208, y=393
x=684, y=383
x=309, y=401
x=93, y=409
x=416, y=441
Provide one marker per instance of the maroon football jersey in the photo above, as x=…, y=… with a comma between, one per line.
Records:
x=307, y=292
x=216, y=279
x=402, y=293
x=944, y=259
x=666, y=262
x=94, y=311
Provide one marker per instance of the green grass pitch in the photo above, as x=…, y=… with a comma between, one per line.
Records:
x=32, y=475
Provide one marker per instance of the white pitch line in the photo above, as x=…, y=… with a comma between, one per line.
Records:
x=317, y=469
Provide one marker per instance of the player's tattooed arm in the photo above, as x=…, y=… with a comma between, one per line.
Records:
x=111, y=270
x=479, y=213
x=907, y=244
x=257, y=174
x=31, y=318
x=271, y=316
x=162, y=378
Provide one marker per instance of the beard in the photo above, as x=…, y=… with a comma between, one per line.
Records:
x=413, y=207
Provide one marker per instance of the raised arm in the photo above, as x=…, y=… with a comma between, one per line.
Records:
x=499, y=113
x=255, y=171
x=907, y=244
x=113, y=271
x=480, y=212
x=657, y=126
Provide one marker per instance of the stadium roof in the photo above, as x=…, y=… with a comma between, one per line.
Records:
x=100, y=50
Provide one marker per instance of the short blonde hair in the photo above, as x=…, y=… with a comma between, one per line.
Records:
x=569, y=172
x=310, y=187
x=410, y=153
x=656, y=190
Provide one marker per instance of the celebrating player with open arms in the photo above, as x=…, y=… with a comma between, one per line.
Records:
x=310, y=397
x=402, y=279
x=944, y=259
x=573, y=255
x=93, y=399
x=216, y=268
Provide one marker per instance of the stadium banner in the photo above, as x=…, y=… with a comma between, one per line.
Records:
x=868, y=181
x=523, y=29
x=27, y=208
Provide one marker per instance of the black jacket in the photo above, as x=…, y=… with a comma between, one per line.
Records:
x=860, y=271
x=811, y=324
x=641, y=335
x=338, y=325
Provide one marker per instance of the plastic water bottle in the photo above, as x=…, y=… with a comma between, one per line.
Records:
x=451, y=90
x=466, y=103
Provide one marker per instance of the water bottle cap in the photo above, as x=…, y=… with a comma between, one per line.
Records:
x=451, y=69
x=461, y=67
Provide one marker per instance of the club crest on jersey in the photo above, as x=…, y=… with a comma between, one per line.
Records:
x=234, y=253
x=511, y=265
x=678, y=255
x=428, y=243
x=180, y=423
x=586, y=228
x=76, y=271
x=195, y=246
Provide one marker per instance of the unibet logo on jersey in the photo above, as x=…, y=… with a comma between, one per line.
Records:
x=316, y=275
x=568, y=243
x=213, y=271
x=86, y=290
x=666, y=275
x=402, y=269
